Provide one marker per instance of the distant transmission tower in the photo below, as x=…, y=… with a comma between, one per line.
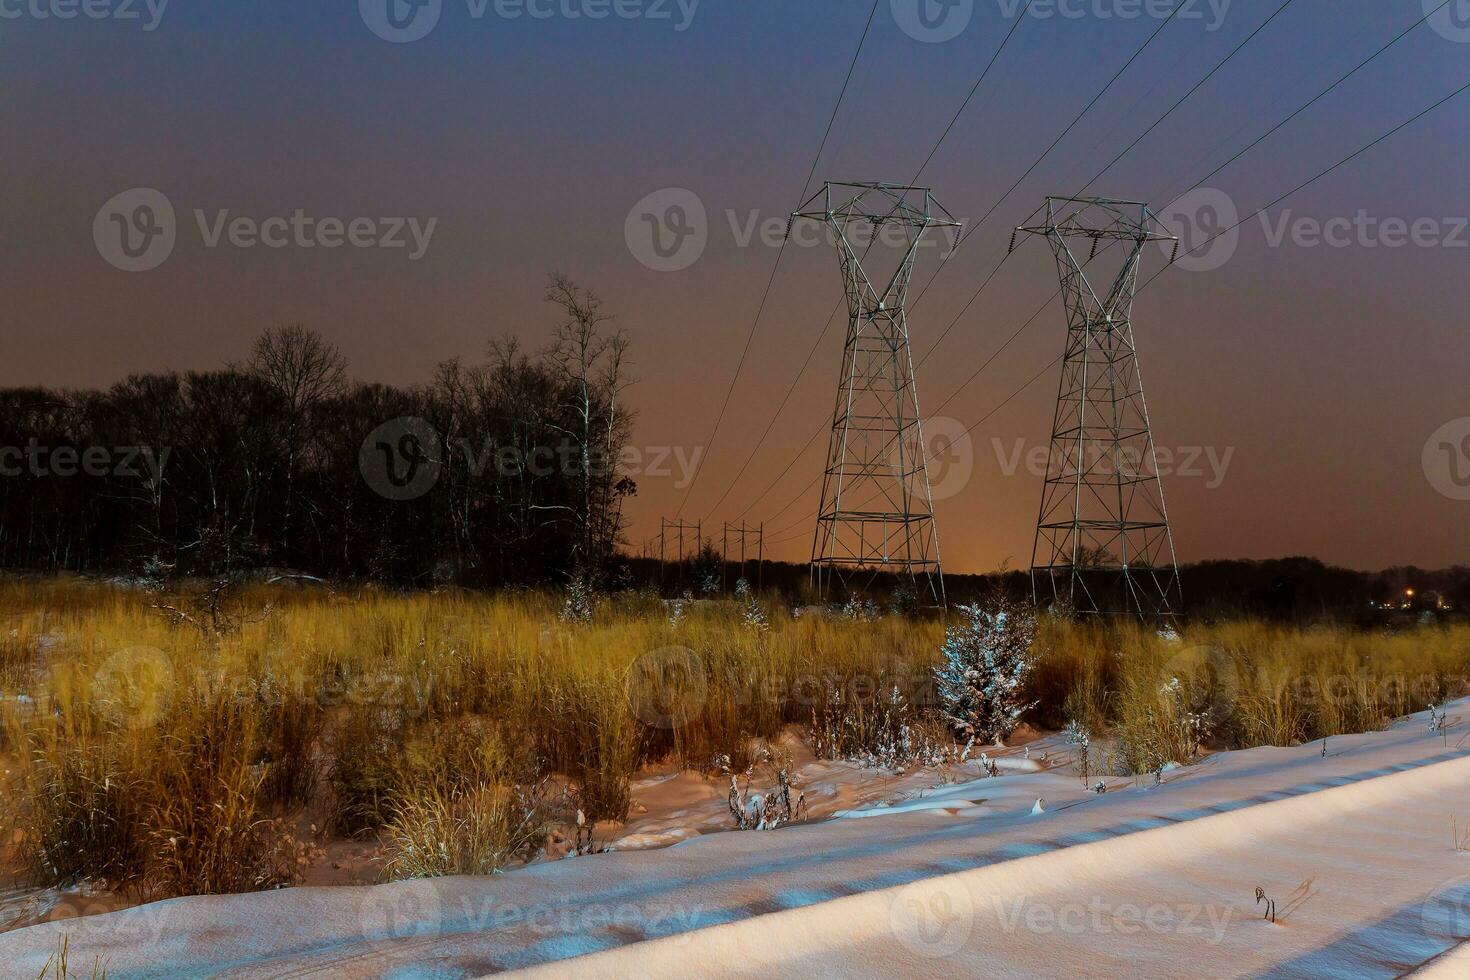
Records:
x=1103, y=543
x=877, y=512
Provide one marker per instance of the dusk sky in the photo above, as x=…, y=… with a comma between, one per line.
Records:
x=1304, y=387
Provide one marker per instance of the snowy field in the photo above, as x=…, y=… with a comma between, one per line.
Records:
x=1361, y=845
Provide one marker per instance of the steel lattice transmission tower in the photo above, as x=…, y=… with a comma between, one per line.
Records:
x=877, y=511
x=1103, y=543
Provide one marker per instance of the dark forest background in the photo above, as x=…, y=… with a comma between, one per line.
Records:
x=281, y=461
x=1297, y=589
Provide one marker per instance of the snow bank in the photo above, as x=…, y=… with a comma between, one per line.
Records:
x=1354, y=849
x=1166, y=896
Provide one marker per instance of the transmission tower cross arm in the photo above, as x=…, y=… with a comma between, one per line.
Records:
x=845, y=202
x=1099, y=219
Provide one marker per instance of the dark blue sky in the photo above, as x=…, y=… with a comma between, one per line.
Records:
x=1324, y=370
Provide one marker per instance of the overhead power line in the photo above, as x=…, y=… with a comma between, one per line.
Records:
x=765, y=296
x=1252, y=145
x=996, y=269
x=831, y=317
x=1254, y=214
x=1086, y=109
x=1362, y=64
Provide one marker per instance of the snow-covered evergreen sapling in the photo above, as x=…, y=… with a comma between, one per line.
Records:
x=904, y=600
x=751, y=611
x=581, y=600
x=987, y=658
x=1062, y=610
x=708, y=567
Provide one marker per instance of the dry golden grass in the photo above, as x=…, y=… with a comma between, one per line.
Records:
x=166, y=738
x=165, y=735
x=1241, y=684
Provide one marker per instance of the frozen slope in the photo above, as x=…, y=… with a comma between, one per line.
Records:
x=1355, y=848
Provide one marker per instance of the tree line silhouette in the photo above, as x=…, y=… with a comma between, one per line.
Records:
x=493, y=473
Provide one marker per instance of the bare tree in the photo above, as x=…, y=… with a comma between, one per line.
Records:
x=591, y=359
x=305, y=370
x=457, y=392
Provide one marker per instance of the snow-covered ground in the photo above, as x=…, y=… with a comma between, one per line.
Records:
x=1354, y=847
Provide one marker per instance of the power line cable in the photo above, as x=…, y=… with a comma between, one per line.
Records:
x=760, y=310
